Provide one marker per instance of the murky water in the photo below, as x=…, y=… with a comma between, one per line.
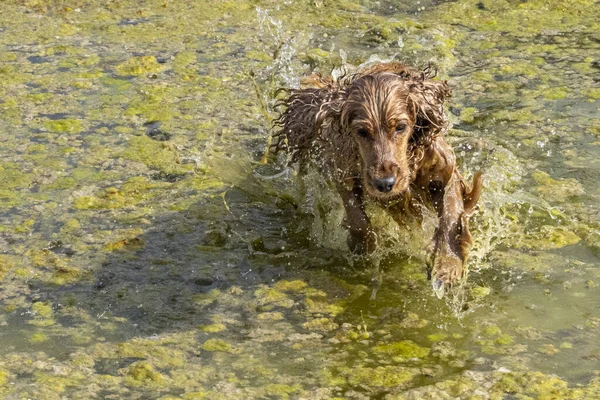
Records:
x=145, y=252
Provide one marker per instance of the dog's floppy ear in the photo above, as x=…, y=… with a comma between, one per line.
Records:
x=331, y=112
x=427, y=97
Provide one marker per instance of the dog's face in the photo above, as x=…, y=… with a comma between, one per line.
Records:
x=387, y=114
x=381, y=118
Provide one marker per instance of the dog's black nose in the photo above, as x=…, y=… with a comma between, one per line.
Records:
x=384, y=185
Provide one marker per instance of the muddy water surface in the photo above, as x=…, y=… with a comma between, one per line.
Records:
x=145, y=253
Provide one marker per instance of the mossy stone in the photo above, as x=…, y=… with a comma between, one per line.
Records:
x=218, y=345
x=137, y=66
x=403, y=350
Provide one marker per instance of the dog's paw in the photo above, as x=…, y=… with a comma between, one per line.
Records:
x=446, y=270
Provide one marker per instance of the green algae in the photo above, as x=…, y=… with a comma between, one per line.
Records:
x=480, y=291
x=556, y=93
x=42, y=309
x=281, y=391
x=212, y=328
x=491, y=330
x=320, y=324
x=388, y=376
x=7, y=263
x=132, y=192
x=468, y=114
x=55, y=269
x=403, y=350
x=137, y=66
x=556, y=189
x=268, y=297
x=154, y=154
x=12, y=177
x=291, y=286
x=322, y=307
x=4, y=377
x=218, y=345
x=504, y=339
x=193, y=69
x=64, y=125
x=38, y=338
x=143, y=374
x=63, y=183
x=55, y=383
x=205, y=299
x=592, y=93
x=549, y=349
x=270, y=316
x=550, y=238
x=437, y=337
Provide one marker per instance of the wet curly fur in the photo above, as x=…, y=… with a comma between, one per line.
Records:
x=379, y=133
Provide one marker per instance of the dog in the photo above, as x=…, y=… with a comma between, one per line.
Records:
x=379, y=134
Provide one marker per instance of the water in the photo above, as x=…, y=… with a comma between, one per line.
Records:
x=145, y=252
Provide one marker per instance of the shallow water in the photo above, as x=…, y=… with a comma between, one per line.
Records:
x=146, y=253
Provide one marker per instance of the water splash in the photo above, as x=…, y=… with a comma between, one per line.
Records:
x=283, y=48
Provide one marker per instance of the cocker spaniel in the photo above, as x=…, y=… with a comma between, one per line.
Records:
x=379, y=133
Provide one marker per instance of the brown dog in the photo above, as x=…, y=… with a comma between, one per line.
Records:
x=379, y=133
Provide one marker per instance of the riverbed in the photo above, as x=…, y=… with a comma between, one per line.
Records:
x=148, y=251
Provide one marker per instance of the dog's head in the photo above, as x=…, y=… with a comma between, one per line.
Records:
x=388, y=114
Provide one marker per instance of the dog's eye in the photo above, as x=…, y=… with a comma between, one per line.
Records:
x=363, y=133
x=400, y=128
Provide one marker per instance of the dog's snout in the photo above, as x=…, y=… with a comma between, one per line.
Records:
x=384, y=185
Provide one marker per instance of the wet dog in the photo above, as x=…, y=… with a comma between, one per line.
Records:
x=379, y=133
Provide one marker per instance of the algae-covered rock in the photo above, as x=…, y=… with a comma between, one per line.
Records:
x=320, y=324
x=322, y=307
x=535, y=261
x=382, y=376
x=468, y=114
x=38, y=338
x=219, y=345
x=280, y=391
x=154, y=154
x=437, y=337
x=141, y=373
x=212, y=328
x=217, y=237
x=479, y=292
x=261, y=335
x=556, y=189
x=136, y=66
x=7, y=263
x=132, y=192
x=504, y=339
x=267, y=296
x=270, y=316
x=491, y=330
x=549, y=349
x=42, y=309
x=205, y=299
x=403, y=350
x=64, y=125
x=387, y=33
x=316, y=57
x=550, y=237
x=4, y=377
x=413, y=320
x=296, y=286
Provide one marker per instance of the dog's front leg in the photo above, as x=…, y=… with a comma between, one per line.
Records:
x=452, y=239
x=361, y=238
